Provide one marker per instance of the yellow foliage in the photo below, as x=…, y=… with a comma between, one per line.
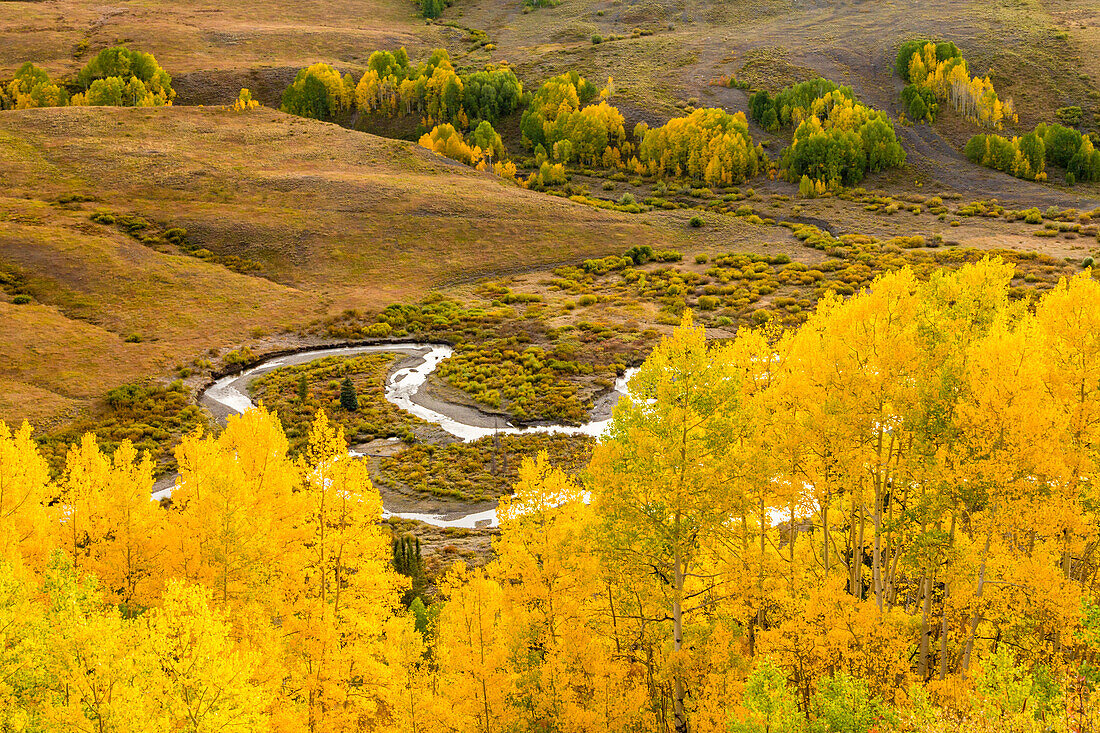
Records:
x=897, y=498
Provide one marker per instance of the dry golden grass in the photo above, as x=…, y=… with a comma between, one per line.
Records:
x=203, y=35
x=50, y=363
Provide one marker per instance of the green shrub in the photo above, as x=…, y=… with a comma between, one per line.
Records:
x=697, y=221
x=379, y=330
x=21, y=299
x=242, y=355
x=843, y=703
x=1070, y=116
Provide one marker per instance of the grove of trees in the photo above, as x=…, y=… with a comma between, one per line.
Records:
x=482, y=148
x=569, y=121
x=938, y=72
x=32, y=88
x=561, y=122
x=883, y=520
x=394, y=86
x=319, y=92
x=1027, y=156
x=116, y=77
x=837, y=139
x=710, y=146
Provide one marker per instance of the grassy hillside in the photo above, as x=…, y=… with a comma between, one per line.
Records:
x=669, y=52
x=771, y=43
x=334, y=219
x=262, y=43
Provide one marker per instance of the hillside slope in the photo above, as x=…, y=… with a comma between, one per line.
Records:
x=333, y=219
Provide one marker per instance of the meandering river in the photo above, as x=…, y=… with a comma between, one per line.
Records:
x=405, y=388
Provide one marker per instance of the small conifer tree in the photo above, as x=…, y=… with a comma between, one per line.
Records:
x=349, y=400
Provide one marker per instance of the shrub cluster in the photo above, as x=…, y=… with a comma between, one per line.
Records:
x=480, y=470
x=171, y=239
x=527, y=382
x=295, y=393
x=433, y=8
x=151, y=416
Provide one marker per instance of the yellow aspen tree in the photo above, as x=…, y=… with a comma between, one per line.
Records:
x=410, y=701
x=130, y=561
x=93, y=660
x=87, y=472
x=1003, y=421
x=473, y=653
x=24, y=688
x=233, y=509
x=203, y=682
x=1069, y=316
x=109, y=525
x=555, y=603
x=862, y=358
x=957, y=310
x=345, y=591
x=659, y=482
x=25, y=526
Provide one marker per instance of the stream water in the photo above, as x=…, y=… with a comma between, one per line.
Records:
x=405, y=388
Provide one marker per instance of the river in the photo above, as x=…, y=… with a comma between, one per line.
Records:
x=405, y=388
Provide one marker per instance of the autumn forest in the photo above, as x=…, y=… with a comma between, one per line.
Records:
x=555, y=366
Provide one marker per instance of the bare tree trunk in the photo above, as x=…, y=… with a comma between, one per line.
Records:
x=943, y=622
x=975, y=617
x=926, y=611
x=856, y=555
x=876, y=552
x=678, y=641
